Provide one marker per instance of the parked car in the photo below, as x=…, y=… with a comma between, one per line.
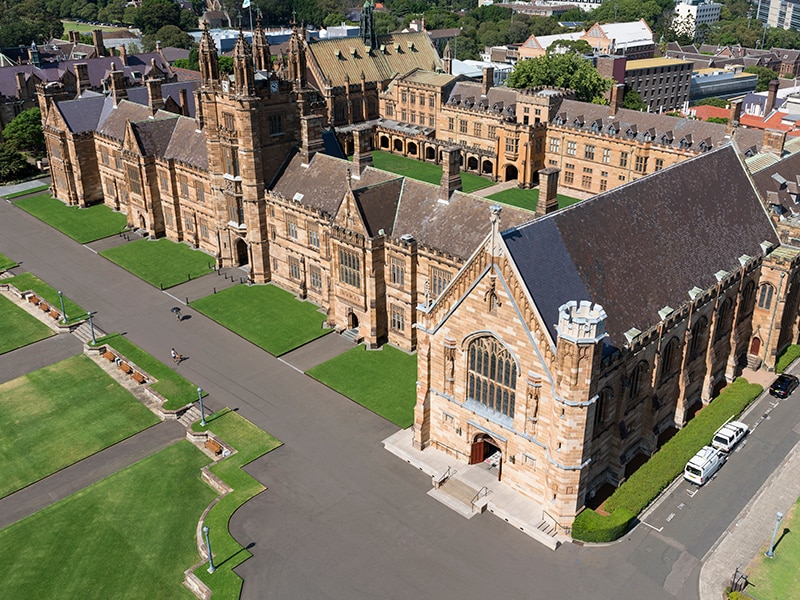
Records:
x=702, y=466
x=784, y=385
x=729, y=435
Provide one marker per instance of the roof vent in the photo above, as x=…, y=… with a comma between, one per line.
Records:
x=695, y=292
x=338, y=54
x=744, y=259
x=721, y=275
x=298, y=197
x=407, y=238
x=632, y=334
x=665, y=312
x=766, y=246
x=780, y=179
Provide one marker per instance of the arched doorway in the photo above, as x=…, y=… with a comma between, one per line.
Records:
x=486, y=451
x=472, y=164
x=142, y=222
x=412, y=149
x=430, y=153
x=352, y=321
x=398, y=145
x=488, y=167
x=511, y=173
x=241, y=252
x=755, y=346
x=384, y=141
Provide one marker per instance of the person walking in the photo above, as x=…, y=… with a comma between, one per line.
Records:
x=176, y=358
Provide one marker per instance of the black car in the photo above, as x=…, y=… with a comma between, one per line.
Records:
x=784, y=385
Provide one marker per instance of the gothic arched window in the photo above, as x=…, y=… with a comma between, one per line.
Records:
x=670, y=358
x=765, y=294
x=492, y=376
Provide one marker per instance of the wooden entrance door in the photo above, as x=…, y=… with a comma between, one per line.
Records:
x=476, y=453
x=755, y=346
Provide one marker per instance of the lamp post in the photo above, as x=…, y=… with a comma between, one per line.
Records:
x=63, y=312
x=91, y=326
x=211, y=567
x=202, y=410
x=771, y=551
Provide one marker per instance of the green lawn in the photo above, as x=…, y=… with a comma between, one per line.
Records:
x=6, y=263
x=81, y=224
x=775, y=578
x=27, y=281
x=250, y=442
x=266, y=315
x=383, y=381
x=423, y=171
x=18, y=328
x=527, y=198
x=29, y=191
x=161, y=263
x=787, y=357
x=60, y=414
x=178, y=390
x=130, y=535
x=87, y=28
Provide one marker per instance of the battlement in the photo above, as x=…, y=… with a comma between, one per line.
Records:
x=582, y=322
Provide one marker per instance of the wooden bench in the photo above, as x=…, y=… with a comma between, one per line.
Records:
x=54, y=314
x=125, y=368
x=214, y=446
x=44, y=307
x=138, y=377
x=33, y=299
x=109, y=356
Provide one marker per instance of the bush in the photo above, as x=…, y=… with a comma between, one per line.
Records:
x=787, y=357
x=644, y=486
x=589, y=526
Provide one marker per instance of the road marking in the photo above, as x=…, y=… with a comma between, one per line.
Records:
x=290, y=365
x=652, y=527
x=681, y=505
x=691, y=493
x=670, y=517
x=173, y=297
x=90, y=249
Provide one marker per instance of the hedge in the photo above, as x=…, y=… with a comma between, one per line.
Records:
x=644, y=486
x=787, y=357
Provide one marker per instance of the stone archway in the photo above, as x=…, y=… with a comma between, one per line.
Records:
x=485, y=449
x=472, y=164
x=755, y=346
x=242, y=256
x=411, y=149
x=511, y=173
x=488, y=167
x=352, y=320
x=384, y=142
x=398, y=145
x=430, y=153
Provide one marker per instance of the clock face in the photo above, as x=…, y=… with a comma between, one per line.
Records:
x=273, y=86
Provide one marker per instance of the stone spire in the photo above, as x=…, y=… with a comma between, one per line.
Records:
x=368, y=33
x=243, y=74
x=297, y=58
x=207, y=56
x=262, y=57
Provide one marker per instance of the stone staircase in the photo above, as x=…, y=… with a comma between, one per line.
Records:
x=458, y=496
x=190, y=416
x=84, y=333
x=753, y=362
x=351, y=334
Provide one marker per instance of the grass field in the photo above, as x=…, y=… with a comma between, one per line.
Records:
x=161, y=263
x=381, y=380
x=424, y=171
x=27, y=281
x=775, y=578
x=130, y=535
x=18, y=328
x=251, y=442
x=527, y=198
x=87, y=28
x=6, y=263
x=83, y=225
x=268, y=316
x=56, y=416
x=28, y=192
x=178, y=390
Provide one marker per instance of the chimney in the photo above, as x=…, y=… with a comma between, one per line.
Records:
x=97, y=40
x=488, y=80
x=184, y=102
x=362, y=148
x=734, y=114
x=617, y=95
x=82, y=75
x=74, y=37
x=311, y=137
x=773, y=141
x=451, y=175
x=123, y=55
x=771, y=95
x=548, y=183
x=22, y=88
x=118, y=91
x=154, y=98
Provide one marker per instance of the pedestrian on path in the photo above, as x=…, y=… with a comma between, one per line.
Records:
x=176, y=358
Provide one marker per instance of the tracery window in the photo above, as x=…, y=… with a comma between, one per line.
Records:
x=765, y=294
x=492, y=376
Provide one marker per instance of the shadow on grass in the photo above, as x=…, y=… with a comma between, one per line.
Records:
x=785, y=532
x=235, y=554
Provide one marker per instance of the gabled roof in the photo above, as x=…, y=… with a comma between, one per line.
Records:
x=114, y=124
x=154, y=136
x=644, y=245
x=187, y=144
x=85, y=113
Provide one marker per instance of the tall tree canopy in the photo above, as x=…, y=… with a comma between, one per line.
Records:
x=26, y=21
x=24, y=133
x=563, y=71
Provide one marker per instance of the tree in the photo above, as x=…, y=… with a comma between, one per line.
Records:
x=633, y=100
x=12, y=164
x=718, y=102
x=575, y=46
x=27, y=21
x=155, y=14
x=561, y=71
x=169, y=36
x=225, y=65
x=24, y=133
x=765, y=75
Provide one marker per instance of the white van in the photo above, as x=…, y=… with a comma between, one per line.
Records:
x=703, y=465
x=729, y=435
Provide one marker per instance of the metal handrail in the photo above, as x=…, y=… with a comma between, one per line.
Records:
x=444, y=477
x=484, y=491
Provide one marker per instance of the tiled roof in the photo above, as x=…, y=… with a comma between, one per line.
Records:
x=168, y=90
x=188, y=144
x=644, y=245
x=779, y=186
x=85, y=113
x=426, y=77
x=114, y=125
x=153, y=136
x=397, y=53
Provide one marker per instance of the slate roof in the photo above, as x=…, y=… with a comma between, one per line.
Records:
x=644, y=245
x=187, y=144
x=779, y=185
x=398, y=205
x=168, y=90
x=583, y=115
x=85, y=113
x=396, y=54
x=154, y=136
x=114, y=125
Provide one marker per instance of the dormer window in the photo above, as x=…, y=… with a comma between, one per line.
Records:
x=612, y=130
x=686, y=142
x=631, y=132
x=597, y=126
x=705, y=145
x=578, y=122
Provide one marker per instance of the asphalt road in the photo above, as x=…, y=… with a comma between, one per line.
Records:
x=343, y=518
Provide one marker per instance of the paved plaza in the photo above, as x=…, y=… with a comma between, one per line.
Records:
x=342, y=516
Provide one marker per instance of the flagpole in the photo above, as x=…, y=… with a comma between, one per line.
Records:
x=250, y=9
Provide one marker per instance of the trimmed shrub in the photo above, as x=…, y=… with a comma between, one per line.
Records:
x=644, y=486
x=787, y=357
x=589, y=526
